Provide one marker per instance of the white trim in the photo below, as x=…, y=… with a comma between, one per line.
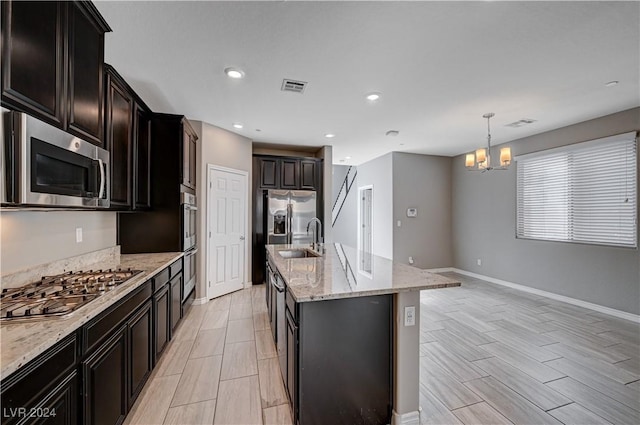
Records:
x=591, y=306
x=359, y=223
x=212, y=167
x=199, y=301
x=248, y=284
x=410, y=418
x=441, y=270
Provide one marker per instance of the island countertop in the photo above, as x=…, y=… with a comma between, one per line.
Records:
x=22, y=341
x=342, y=272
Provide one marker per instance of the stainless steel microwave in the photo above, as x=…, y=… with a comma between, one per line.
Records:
x=45, y=166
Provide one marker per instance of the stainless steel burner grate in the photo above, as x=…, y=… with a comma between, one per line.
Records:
x=61, y=294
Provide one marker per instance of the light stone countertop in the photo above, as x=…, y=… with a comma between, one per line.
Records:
x=22, y=341
x=343, y=272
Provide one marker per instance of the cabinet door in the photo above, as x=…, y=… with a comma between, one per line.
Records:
x=105, y=382
x=85, y=81
x=142, y=159
x=140, y=331
x=269, y=173
x=60, y=406
x=292, y=361
x=289, y=174
x=32, y=58
x=119, y=113
x=308, y=174
x=176, y=300
x=161, y=320
x=188, y=158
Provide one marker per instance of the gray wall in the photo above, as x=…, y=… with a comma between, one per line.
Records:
x=379, y=173
x=484, y=214
x=422, y=182
x=345, y=230
x=30, y=238
x=219, y=147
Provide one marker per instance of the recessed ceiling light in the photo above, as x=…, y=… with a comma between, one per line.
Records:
x=234, y=73
x=347, y=157
x=237, y=125
x=342, y=160
x=373, y=96
x=329, y=135
x=612, y=83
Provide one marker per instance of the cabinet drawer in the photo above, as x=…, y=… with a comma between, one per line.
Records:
x=25, y=387
x=175, y=268
x=102, y=326
x=161, y=279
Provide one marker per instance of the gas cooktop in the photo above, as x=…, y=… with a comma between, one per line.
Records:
x=61, y=294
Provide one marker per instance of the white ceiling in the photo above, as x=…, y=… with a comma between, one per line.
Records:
x=439, y=66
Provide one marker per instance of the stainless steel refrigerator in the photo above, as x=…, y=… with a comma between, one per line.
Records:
x=288, y=212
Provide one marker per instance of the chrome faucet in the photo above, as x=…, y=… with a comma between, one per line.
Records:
x=317, y=232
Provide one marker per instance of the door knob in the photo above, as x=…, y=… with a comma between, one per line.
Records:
x=241, y=238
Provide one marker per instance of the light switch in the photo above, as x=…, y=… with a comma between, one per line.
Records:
x=410, y=316
x=399, y=223
x=78, y=234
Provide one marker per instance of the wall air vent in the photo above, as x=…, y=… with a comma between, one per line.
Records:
x=520, y=123
x=293, y=85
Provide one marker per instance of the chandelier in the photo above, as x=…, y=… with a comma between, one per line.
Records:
x=481, y=160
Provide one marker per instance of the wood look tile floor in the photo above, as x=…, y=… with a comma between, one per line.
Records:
x=488, y=355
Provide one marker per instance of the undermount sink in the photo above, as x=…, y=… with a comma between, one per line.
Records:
x=297, y=253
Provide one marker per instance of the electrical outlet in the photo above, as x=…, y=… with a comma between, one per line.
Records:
x=410, y=316
x=410, y=260
x=78, y=234
x=479, y=261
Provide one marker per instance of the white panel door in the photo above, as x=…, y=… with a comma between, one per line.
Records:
x=227, y=194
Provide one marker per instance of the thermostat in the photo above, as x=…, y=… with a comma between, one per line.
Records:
x=412, y=212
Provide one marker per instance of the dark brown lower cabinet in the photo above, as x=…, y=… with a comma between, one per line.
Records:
x=95, y=375
x=60, y=407
x=161, y=308
x=105, y=382
x=176, y=300
x=140, y=331
x=292, y=362
x=45, y=390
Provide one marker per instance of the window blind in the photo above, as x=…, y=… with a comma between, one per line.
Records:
x=585, y=193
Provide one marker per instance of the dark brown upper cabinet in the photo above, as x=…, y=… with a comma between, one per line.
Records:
x=52, y=64
x=189, y=151
x=86, y=63
x=309, y=169
x=269, y=175
x=289, y=174
x=119, y=125
x=141, y=157
x=128, y=139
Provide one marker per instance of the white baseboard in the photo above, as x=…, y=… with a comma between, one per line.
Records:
x=248, y=285
x=199, y=301
x=411, y=418
x=591, y=306
x=441, y=270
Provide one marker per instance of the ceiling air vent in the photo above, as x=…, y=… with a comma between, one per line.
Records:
x=520, y=123
x=293, y=85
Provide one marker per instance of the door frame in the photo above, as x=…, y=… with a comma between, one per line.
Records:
x=361, y=189
x=213, y=167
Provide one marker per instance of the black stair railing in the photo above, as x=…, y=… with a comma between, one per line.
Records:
x=345, y=188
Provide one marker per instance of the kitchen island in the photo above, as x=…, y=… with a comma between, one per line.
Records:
x=338, y=315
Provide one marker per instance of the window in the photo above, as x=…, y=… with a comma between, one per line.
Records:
x=585, y=193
